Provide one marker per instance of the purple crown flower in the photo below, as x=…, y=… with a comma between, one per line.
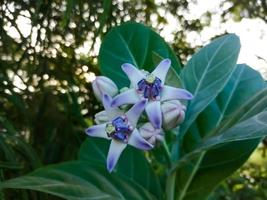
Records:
x=151, y=87
x=120, y=129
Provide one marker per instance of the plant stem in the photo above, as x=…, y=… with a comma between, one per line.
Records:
x=188, y=182
x=167, y=153
x=170, y=182
x=170, y=186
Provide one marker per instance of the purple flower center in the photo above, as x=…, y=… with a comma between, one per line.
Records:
x=119, y=129
x=150, y=87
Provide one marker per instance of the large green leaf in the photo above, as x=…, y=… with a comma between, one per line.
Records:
x=199, y=174
x=228, y=156
x=132, y=43
x=79, y=180
x=207, y=73
x=255, y=105
x=131, y=164
x=252, y=128
x=243, y=84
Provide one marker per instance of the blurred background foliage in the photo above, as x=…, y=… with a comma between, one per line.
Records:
x=46, y=98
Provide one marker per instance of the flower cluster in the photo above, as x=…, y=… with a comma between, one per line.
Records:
x=148, y=93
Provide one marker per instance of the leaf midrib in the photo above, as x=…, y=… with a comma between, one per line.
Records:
x=127, y=48
x=230, y=97
x=208, y=64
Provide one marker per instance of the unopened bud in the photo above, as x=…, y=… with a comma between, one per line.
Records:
x=152, y=135
x=173, y=113
x=101, y=117
x=103, y=85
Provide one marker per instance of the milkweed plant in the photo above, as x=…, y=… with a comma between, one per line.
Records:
x=167, y=130
x=147, y=93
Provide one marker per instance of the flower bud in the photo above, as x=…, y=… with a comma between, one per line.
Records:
x=173, y=113
x=152, y=135
x=103, y=85
x=101, y=117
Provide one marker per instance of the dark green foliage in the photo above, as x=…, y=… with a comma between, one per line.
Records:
x=80, y=180
x=95, y=151
x=46, y=101
x=144, y=55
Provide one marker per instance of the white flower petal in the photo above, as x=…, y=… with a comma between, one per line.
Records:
x=162, y=69
x=134, y=113
x=171, y=93
x=115, y=150
x=133, y=73
x=111, y=111
x=154, y=114
x=97, y=131
x=137, y=141
x=128, y=97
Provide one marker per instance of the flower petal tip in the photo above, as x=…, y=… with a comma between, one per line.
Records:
x=157, y=122
x=189, y=96
x=114, y=103
x=89, y=131
x=144, y=145
x=106, y=97
x=125, y=66
x=167, y=61
x=143, y=102
x=147, y=146
x=110, y=165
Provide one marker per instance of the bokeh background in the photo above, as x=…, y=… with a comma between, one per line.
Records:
x=48, y=58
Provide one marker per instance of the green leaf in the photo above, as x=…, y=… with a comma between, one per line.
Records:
x=252, y=128
x=132, y=43
x=251, y=108
x=79, y=180
x=244, y=83
x=206, y=74
x=94, y=150
x=204, y=173
x=131, y=164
